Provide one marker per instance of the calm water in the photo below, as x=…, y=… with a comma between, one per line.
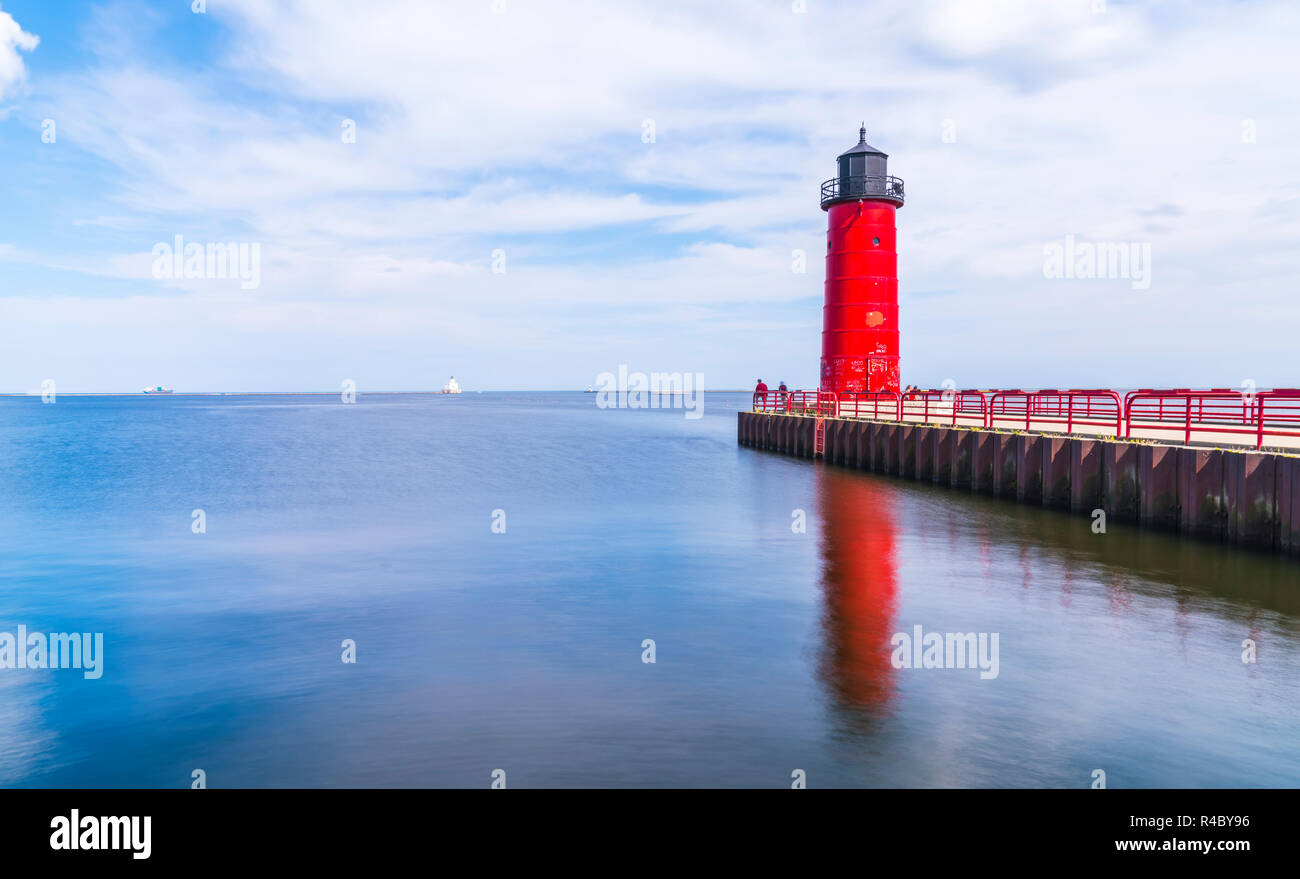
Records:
x=522, y=651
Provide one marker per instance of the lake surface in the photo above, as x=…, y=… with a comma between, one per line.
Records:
x=523, y=650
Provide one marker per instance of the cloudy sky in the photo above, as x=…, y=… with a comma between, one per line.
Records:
x=522, y=128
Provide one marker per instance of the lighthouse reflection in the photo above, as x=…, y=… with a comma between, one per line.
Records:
x=860, y=588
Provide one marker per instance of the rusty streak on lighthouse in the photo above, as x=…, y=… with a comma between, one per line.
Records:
x=860, y=315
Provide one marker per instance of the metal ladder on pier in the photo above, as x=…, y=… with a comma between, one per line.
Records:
x=827, y=406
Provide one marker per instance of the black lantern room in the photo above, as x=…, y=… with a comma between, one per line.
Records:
x=862, y=174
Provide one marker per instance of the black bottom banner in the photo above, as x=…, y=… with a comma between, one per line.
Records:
x=337, y=827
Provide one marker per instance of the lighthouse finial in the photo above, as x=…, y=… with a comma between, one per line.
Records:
x=862, y=133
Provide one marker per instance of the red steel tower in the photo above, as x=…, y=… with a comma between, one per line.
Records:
x=860, y=317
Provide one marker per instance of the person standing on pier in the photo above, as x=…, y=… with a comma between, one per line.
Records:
x=760, y=388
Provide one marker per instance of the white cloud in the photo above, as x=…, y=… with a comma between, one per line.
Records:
x=523, y=131
x=1029, y=30
x=12, y=40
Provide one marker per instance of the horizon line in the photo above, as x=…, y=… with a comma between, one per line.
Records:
x=358, y=393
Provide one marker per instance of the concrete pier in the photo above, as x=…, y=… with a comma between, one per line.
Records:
x=1235, y=496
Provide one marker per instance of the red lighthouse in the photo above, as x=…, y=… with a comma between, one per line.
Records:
x=860, y=317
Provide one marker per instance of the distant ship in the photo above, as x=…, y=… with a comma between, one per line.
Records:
x=451, y=387
x=158, y=390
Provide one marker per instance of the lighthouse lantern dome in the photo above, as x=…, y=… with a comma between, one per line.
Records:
x=862, y=172
x=862, y=159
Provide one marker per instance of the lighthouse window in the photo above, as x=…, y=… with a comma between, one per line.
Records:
x=875, y=241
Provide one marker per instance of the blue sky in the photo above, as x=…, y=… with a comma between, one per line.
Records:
x=518, y=126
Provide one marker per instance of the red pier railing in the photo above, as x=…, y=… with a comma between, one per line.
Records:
x=1056, y=411
x=946, y=406
x=1190, y=415
x=876, y=405
x=1218, y=416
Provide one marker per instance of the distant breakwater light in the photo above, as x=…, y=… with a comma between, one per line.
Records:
x=657, y=390
x=214, y=260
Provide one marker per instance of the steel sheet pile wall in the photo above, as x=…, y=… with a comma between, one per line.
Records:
x=1239, y=497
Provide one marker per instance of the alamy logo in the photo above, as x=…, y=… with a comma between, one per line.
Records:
x=658, y=390
x=90, y=833
x=84, y=650
x=1130, y=260
x=211, y=261
x=947, y=650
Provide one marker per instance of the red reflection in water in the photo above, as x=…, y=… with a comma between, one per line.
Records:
x=1121, y=597
x=860, y=582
